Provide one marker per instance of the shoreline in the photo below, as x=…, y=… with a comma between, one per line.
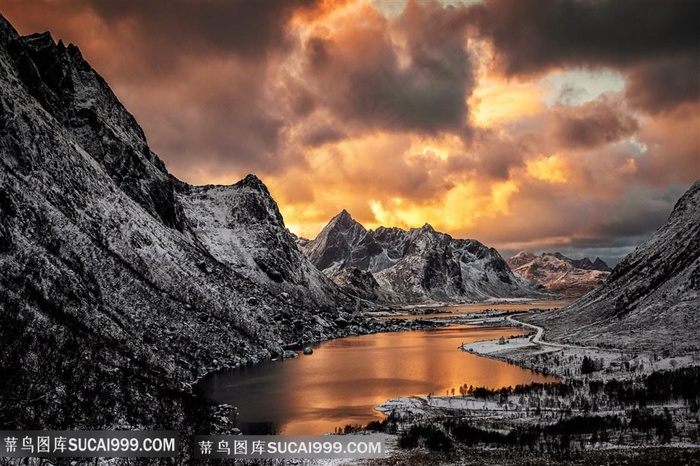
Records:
x=585, y=398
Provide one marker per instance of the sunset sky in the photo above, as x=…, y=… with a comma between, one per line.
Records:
x=568, y=126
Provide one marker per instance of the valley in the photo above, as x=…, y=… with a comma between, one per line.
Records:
x=133, y=300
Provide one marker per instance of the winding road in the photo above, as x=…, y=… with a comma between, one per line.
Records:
x=540, y=332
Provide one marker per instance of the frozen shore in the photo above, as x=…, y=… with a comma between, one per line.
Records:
x=597, y=385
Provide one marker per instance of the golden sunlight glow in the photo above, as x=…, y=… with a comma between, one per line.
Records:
x=403, y=112
x=404, y=178
x=433, y=152
x=497, y=101
x=501, y=194
x=380, y=213
x=417, y=183
x=404, y=215
x=551, y=169
x=460, y=207
x=305, y=222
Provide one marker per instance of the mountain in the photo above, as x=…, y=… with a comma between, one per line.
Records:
x=241, y=227
x=105, y=257
x=418, y=265
x=560, y=274
x=651, y=300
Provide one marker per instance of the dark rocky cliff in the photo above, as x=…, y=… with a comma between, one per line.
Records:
x=118, y=284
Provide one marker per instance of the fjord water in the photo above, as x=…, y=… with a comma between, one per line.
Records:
x=345, y=379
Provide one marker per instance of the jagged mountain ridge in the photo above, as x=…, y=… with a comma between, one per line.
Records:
x=418, y=265
x=560, y=274
x=102, y=250
x=651, y=300
x=241, y=226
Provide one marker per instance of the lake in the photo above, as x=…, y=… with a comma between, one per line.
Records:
x=345, y=379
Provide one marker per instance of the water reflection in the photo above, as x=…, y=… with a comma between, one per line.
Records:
x=345, y=379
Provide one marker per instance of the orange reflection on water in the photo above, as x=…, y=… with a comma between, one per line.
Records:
x=345, y=379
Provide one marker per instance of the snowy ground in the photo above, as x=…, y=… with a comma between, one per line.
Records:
x=494, y=346
x=533, y=351
x=562, y=358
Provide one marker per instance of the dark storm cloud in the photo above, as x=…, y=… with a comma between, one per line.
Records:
x=343, y=105
x=640, y=212
x=655, y=41
x=533, y=35
x=300, y=100
x=316, y=136
x=218, y=121
x=195, y=74
x=665, y=83
x=245, y=28
x=592, y=124
x=577, y=226
x=358, y=72
x=497, y=156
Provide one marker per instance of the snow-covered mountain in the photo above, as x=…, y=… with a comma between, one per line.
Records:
x=651, y=300
x=241, y=226
x=105, y=256
x=560, y=274
x=418, y=265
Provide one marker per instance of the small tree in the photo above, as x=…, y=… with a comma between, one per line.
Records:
x=588, y=365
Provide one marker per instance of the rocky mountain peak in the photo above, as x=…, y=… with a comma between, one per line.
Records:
x=40, y=40
x=343, y=221
x=559, y=273
x=599, y=264
x=523, y=257
x=417, y=265
x=253, y=203
x=253, y=182
x=6, y=28
x=336, y=245
x=585, y=263
x=82, y=105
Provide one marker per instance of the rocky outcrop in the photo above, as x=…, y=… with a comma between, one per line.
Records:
x=560, y=274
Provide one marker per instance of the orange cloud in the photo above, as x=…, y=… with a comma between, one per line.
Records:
x=401, y=119
x=551, y=169
x=498, y=101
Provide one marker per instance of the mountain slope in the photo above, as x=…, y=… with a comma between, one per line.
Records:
x=105, y=256
x=419, y=265
x=651, y=299
x=560, y=274
x=241, y=226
